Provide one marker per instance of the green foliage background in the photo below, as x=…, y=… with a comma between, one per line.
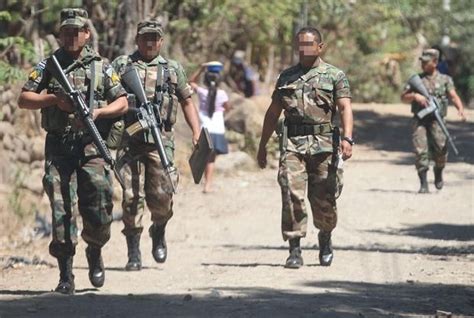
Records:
x=376, y=42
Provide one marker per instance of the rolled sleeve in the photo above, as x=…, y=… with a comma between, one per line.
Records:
x=276, y=95
x=183, y=89
x=449, y=84
x=341, y=86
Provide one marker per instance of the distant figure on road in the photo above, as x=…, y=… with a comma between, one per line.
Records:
x=213, y=103
x=242, y=78
x=429, y=140
x=312, y=150
x=442, y=66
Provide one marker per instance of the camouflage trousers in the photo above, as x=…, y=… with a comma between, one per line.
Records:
x=429, y=142
x=324, y=182
x=77, y=185
x=145, y=180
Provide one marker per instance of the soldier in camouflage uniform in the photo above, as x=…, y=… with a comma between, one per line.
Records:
x=312, y=153
x=145, y=178
x=428, y=138
x=76, y=179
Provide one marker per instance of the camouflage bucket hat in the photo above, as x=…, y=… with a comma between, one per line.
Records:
x=149, y=26
x=429, y=54
x=73, y=17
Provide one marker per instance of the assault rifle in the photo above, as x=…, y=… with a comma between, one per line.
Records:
x=81, y=111
x=417, y=85
x=148, y=120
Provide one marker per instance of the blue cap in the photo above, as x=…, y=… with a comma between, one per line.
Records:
x=214, y=67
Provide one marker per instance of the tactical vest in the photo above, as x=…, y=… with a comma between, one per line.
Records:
x=308, y=101
x=88, y=81
x=160, y=87
x=436, y=87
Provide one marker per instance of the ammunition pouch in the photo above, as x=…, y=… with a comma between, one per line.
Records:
x=114, y=139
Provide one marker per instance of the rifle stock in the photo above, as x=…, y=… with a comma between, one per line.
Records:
x=417, y=85
x=148, y=120
x=82, y=112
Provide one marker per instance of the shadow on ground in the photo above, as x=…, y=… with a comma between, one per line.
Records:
x=435, y=231
x=393, y=133
x=376, y=247
x=327, y=299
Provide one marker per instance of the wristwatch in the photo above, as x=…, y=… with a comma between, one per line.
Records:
x=349, y=140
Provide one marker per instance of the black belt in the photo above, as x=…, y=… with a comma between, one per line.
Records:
x=307, y=129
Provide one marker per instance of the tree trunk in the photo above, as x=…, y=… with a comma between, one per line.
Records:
x=129, y=29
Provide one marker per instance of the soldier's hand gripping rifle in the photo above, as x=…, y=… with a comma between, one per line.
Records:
x=148, y=120
x=417, y=85
x=82, y=112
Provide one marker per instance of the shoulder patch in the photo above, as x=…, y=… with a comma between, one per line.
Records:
x=42, y=64
x=115, y=78
x=33, y=75
x=112, y=74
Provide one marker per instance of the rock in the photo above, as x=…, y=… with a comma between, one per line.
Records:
x=7, y=96
x=37, y=149
x=37, y=165
x=21, y=142
x=216, y=293
x=245, y=117
x=234, y=161
x=6, y=129
x=34, y=182
x=23, y=156
x=8, y=142
x=6, y=113
x=187, y=297
x=235, y=138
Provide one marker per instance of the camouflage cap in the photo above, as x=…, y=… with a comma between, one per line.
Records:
x=429, y=54
x=73, y=17
x=150, y=26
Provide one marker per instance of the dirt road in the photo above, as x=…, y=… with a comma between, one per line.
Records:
x=397, y=253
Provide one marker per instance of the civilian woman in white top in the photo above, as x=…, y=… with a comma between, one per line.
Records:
x=213, y=102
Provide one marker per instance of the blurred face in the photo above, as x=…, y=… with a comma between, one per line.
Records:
x=73, y=39
x=308, y=46
x=429, y=66
x=149, y=45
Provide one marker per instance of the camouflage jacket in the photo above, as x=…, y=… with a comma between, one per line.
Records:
x=309, y=97
x=108, y=88
x=177, y=89
x=438, y=85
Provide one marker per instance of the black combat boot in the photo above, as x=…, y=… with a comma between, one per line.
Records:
x=423, y=182
x=295, y=260
x=66, y=278
x=438, y=172
x=159, y=250
x=134, y=255
x=325, y=248
x=96, y=266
